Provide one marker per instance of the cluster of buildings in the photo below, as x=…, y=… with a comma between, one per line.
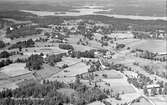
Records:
x=159, y=34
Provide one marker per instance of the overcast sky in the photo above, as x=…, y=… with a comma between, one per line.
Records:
x=114, y=1
x=83, y=0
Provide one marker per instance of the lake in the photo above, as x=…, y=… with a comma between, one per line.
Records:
x=92, y=10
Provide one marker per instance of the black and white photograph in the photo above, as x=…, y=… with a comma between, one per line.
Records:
x=83, y=52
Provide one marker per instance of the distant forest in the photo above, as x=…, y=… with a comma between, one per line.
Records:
x=118, y=24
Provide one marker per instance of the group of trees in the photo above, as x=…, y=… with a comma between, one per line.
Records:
x=140, y=81
x=2, y=44
x=141, y=35
x=22, y=32
x=23, y=44
x=151, y=70
x=52, y=59
x=48, y=94
x=66, y=46
x=95, y=66
x=120, y=46
x=156, y=91
x=4, y=63
x=4, y=54
x=34, y=62
x=150, y=55
x=86, y=54
x=147, y=55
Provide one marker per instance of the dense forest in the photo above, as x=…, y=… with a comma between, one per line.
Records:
x=48, y=94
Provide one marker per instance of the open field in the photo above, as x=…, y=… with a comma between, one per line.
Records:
x=159, y=100
x=73, y=70
x=46, y=72
x=96, y=103
x=158, y=46
x=17, y=21
x=68, y=74
x=73, y=39
x=110, y=74
x=117, y=85
x=68, y=60
x=128, y=41
x=143, y=101
x=44, y=50
x=81, y=47
x=111, y=79
x=15, y=69
x=12, y=74
x=4, y=84
x=3, y=76
x=156, y=66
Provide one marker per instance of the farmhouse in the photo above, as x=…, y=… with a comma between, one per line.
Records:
x=160, y=34
x=153, y=86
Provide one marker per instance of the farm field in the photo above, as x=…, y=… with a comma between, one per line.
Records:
x=91, y=44
x=68, y=74
x=129, y=41
x=143, y=101
x=156, y=66
x=73, y=70
x=96, y=103
x=78, y=51
x=159, y=100
x=81, y=47
x=73, y=39
x=3, y=76
x=10, y=77
x=111, y=79
x=11, y=71
x=158, y=46
x=4, y=84
x=129, y=97
x=46, y=72
x=118, y=86
x=68, y=60
x=44, y=50
x=110, y=74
